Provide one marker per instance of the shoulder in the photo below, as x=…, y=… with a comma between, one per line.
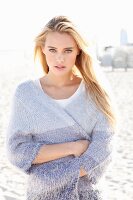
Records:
x=23, y=88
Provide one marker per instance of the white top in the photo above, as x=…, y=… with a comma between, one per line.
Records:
x=64, y=102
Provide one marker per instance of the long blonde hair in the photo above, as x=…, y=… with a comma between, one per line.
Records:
x=83, y=64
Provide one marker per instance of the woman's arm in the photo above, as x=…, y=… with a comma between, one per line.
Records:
x=22, y=150
x=50, y=152
x=56, y=151
x=99, y=154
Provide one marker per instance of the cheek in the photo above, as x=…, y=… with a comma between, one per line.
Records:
x=49, y=58
x=72, y=58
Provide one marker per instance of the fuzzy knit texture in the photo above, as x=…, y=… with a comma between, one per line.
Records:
x=36, y=119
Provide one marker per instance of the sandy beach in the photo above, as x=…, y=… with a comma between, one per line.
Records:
x=119, y=177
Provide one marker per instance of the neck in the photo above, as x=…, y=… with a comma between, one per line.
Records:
x=59, y=81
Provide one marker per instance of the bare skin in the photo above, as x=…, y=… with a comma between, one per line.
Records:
x=60, y=92
x=56, y=151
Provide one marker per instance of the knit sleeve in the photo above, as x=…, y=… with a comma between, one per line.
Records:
x=20, y=146
x=99, y=153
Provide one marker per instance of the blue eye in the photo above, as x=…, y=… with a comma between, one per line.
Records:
x=68, y=51
x=52, y=50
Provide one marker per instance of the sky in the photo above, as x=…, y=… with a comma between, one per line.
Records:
x=99, y=21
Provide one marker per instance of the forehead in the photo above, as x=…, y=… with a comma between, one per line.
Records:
x=56, y=39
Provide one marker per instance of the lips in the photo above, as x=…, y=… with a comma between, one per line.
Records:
x=59, y=67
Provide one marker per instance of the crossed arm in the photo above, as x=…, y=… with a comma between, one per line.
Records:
x=22, y=149
x=56, y=151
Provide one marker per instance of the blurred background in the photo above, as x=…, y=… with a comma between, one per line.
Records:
x=107, y=25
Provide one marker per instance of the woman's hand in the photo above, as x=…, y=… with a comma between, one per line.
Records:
x=82, y=172
x=80, y=146
x=77, y=148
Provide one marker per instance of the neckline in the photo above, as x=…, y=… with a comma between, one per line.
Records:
x=72, y=96
x=54, y=104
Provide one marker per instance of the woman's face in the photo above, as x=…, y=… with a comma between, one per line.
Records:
x=60, y=50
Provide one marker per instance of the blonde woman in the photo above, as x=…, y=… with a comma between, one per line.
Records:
x=61, y=126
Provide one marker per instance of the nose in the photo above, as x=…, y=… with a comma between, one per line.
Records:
x=60, y=58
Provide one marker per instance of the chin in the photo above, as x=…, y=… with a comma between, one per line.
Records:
x=60, y=72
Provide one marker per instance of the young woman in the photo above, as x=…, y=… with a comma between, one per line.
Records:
x=61, y=126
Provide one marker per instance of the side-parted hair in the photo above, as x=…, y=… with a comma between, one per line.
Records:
x=83, y=64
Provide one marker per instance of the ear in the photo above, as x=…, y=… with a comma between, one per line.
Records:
x=43, y=50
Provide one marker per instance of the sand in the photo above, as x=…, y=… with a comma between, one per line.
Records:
x=118, y=184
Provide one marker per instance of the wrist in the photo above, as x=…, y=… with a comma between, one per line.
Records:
x=71, y=149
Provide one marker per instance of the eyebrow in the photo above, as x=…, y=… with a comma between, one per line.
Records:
x=64, y=48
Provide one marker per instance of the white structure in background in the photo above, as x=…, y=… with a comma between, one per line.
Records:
x=123, y=37
x=120, y=56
